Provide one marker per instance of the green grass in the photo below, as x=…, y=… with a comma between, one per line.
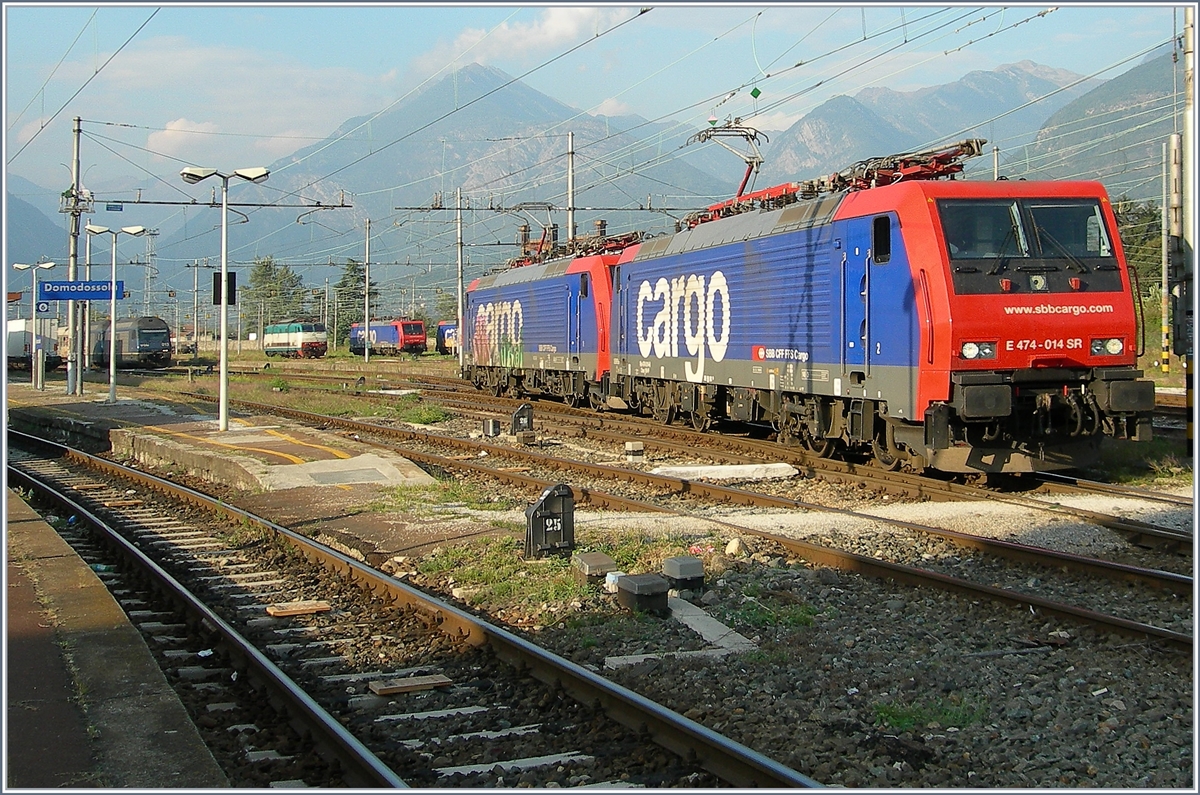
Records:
x=771, y=613
x=423, y=414
x=952, y=711
x=496, y=568
x=416, y=498
x=1159, y=461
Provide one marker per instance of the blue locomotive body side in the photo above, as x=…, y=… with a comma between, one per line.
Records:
x=784, y=311
x=140, y=342
x=384, y=334
x=538, y=317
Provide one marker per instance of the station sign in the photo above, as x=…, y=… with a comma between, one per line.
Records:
x=79, y=291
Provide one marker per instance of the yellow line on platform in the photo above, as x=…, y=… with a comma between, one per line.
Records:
x=293, y=440
x=288, y=456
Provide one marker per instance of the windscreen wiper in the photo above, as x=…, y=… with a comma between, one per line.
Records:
x=1072, y=260
x=1001, y=261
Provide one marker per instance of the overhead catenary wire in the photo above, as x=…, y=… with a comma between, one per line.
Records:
x=41, y=89
x=92, y=77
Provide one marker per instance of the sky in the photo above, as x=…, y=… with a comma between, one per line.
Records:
x=232, y=86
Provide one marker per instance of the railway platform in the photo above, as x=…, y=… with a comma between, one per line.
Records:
x=87, y=705
x=256, y=454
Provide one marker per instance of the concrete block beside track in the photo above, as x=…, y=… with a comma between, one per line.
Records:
x=149, y=449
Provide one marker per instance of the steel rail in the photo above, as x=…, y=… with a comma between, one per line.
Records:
x=895, y=482
x=848, y=561
x=916, y=486
x=360, y=767
x=728, y=760
x=722, y=494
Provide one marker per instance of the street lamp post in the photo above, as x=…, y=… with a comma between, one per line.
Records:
x=36, y=375
x=136, y=231
x=192, y=176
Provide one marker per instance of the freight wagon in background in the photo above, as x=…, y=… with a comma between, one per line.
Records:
x=888, y=311
x=296, y=339
x=141, y=342
x=391, y=337
x=20, y=343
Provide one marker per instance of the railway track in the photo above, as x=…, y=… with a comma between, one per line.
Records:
x=1037, y=559
x=726, y=448
x=487, y=705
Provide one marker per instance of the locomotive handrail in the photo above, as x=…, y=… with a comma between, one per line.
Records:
x=867, y=310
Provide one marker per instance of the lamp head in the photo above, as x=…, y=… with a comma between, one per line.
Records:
x=256, y=174
x=137, y=231
x=92, y=229
x=194, y=175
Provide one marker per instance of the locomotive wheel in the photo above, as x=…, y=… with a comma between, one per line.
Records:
x=883, y=458
x=595, y=401
x=664, y=411
x=700, y=422
x=822, y=448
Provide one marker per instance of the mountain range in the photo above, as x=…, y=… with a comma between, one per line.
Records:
x=504, y=144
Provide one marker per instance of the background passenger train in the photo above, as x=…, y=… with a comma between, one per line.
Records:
x=141, y=342
x=966, y=326
x=296, y=339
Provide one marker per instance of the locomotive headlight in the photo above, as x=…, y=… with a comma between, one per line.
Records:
x=1108, y=347
x=978, y=350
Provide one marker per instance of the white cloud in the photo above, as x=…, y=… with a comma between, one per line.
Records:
x=773, y=121
x=522, y=42
x=263, y=104
x=179, y=137
x=613, y=107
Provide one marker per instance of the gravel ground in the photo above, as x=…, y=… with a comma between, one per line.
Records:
x=863, y=683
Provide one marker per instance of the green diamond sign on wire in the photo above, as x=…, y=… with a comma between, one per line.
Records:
x=754, y=92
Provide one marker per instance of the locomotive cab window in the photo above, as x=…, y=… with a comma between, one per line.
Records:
x=1070, y=229
x=881, y=239
x=1028, y=245
x=583, y=285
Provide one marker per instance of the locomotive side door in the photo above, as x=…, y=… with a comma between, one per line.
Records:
x=855, y=291
x=576, y=299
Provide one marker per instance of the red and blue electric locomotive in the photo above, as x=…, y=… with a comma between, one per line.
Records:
x=964, y=326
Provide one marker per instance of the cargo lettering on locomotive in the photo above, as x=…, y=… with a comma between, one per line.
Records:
x=688, y=307
x=498, y=330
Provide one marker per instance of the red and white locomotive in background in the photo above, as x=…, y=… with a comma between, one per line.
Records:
x=889, y=310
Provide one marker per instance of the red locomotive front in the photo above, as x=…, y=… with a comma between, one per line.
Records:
x=1042, y=331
